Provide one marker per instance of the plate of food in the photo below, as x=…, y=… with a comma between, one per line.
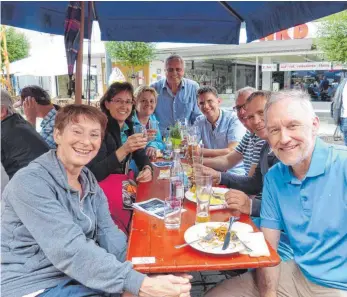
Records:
x=215, y=244
x=217, y=197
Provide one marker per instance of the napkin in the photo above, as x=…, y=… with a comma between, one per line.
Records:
x=256, y=242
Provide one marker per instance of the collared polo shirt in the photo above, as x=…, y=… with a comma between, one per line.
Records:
x=47, y=128
x=170, y=108
x=313, y=212
x=227, y=129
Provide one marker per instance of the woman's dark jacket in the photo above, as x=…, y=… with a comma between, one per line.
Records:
x=106, y=162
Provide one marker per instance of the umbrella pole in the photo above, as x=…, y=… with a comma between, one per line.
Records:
x=79, y=63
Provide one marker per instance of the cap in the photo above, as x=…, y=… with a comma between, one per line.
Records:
x=39, y=94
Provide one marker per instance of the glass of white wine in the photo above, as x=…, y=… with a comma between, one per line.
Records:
x=203, y=192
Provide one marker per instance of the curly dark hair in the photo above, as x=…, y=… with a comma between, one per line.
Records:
x=113, y=90
x=41, y=96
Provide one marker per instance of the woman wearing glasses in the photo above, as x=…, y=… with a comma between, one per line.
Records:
x=120, y=143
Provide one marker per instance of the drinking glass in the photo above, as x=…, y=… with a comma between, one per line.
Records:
x=173, y=204
x=153, y=129
x=203, y=185
x=167, y=152
x=140, y=129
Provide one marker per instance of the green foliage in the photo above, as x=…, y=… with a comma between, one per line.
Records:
x=175, y=132
x=130, y=53
x=17, y=45
x=332, y=37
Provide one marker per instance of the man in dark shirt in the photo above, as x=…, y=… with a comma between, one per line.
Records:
x=20, y=143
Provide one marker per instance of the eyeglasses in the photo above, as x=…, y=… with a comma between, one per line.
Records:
x=121, y=102
x=239, y=107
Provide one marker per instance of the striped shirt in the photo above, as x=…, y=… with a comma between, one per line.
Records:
x=249, y=148
x=47, y=127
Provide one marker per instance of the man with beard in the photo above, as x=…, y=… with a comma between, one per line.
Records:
x=306, y=196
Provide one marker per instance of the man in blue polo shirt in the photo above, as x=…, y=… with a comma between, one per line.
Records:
x=220, y=130
x=306, y=195
x=176, y=95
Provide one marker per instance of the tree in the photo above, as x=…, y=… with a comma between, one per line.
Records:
x=17, y=45
x=332, y=37
x=131, y=54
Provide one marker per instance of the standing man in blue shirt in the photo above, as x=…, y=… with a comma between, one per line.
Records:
x=176, y=95
x=306, y=196
x=220, y=130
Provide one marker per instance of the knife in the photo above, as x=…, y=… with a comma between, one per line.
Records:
x=228, y=235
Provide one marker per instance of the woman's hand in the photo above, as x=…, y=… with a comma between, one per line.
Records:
x=144, y=176
x=135, y=142
x=151, y=152
x=165, y=285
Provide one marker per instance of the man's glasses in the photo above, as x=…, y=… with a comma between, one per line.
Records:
x=237, y=108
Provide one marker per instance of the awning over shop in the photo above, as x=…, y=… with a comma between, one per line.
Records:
x=173, y=21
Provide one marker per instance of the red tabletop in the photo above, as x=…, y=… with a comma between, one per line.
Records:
x=150, y=238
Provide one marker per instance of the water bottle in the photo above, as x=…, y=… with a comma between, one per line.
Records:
x=173, y=203
x=177, y=176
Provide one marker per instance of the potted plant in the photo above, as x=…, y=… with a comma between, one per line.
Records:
x=175, y=135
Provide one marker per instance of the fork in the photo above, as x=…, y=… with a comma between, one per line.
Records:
x=207, y=237
x=248, y=249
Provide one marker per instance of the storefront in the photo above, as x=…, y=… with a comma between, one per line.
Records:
x=279, y=61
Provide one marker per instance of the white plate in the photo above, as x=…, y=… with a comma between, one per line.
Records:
x=197, y=231
x=191, y=196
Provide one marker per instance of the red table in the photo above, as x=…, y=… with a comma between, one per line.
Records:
x=150, y=238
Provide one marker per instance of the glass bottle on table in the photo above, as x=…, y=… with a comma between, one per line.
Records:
x=174, y=201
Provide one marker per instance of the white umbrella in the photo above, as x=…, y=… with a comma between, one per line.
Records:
x=44, y=66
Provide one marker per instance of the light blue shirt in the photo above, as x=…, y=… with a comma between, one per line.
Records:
x=171, y=108
x=227, y=129
x=158, y=142
x=313, y=212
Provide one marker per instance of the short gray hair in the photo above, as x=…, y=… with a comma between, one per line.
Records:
x=244, y=90
x=6, y=101
x=294, y=95
x=174, y=57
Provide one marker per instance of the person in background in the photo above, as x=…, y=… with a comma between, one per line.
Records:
x=20, y=143
x=37, y=103
x=176, y=95
x=145, y=103
x=304, y=194
x=120, y=144
x=57, y=235
x=339, y=108
x=220, y=131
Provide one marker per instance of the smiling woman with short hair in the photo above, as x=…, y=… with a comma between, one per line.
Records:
x=57, y=235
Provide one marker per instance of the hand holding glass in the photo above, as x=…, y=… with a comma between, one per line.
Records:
x=153, y=129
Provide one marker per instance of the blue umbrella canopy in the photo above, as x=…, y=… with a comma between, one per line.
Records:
x=174, y=21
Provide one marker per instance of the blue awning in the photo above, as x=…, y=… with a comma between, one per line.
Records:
x=173, y=21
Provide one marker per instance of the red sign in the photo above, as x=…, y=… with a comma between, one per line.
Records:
x=299, y=32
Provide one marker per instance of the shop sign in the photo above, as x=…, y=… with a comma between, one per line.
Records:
x=339, y=66
x=305, y=66
x=268, y=67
